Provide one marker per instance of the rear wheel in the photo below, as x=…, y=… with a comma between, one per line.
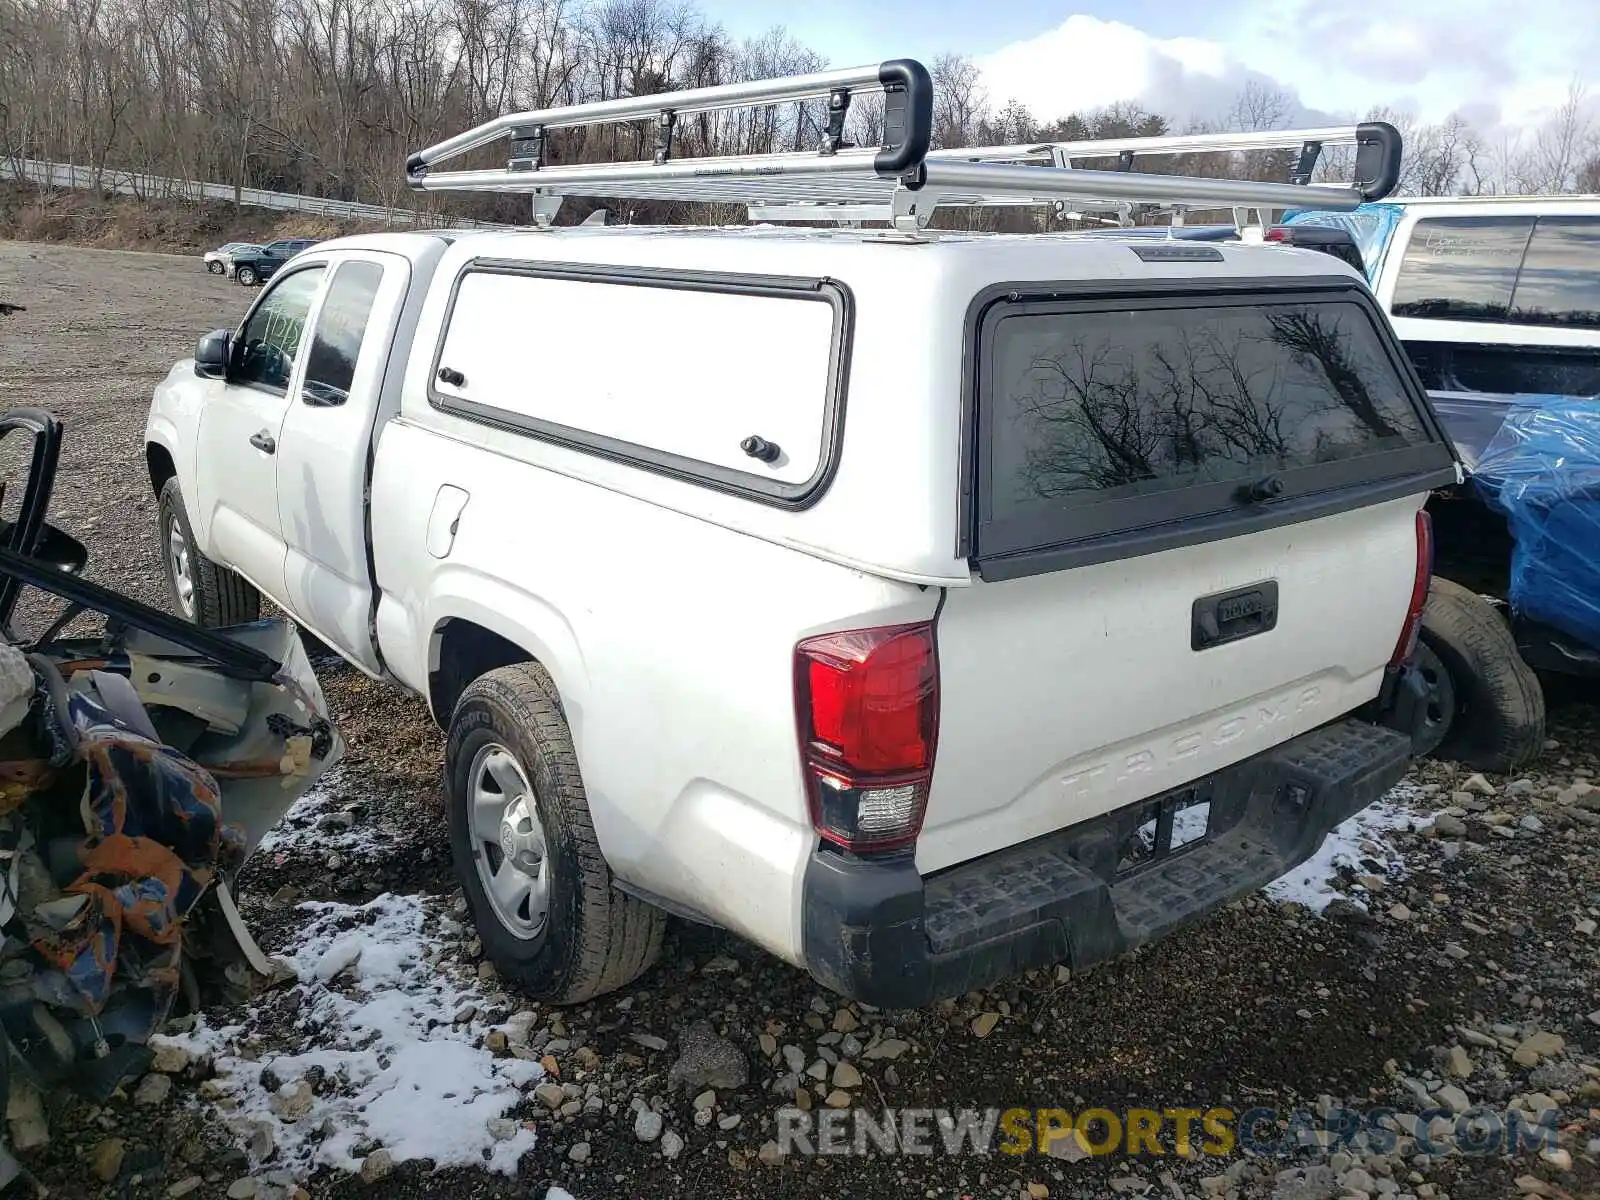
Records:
x=1486, y=709
x=1441, y=699
x=550, y=918
x=203, y=592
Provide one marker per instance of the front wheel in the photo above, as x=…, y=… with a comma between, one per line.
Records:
x=215, y=267
x=1486, y=709
x=211, y=596
x=550, y=918
x=247, y=276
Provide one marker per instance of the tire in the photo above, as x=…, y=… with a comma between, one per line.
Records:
x=215, y=267
x=247, y=276
x=593, y=938
x=215, y=597
x=1495, y=720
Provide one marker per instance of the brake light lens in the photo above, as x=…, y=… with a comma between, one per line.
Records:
x=1409, y=632
x=867, y=702
x=1344, y=251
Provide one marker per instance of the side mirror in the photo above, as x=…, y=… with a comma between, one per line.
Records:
x=212, y=354
x=55, y=547
x=61, y=550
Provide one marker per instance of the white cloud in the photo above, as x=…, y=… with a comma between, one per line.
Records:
x=1433, y=57
x=1087, y=63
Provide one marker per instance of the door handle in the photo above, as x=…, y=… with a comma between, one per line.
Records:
x=263, y=441
x=1232, y=616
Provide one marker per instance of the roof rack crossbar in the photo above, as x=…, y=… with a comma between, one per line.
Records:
x=905, y=83
x=902, y=180
x=1181, y=143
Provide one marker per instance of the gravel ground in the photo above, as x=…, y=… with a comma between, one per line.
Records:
x=1462, y=970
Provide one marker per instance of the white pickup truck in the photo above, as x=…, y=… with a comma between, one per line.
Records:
x=922, y=607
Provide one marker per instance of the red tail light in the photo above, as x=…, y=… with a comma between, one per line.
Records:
x=1407, y=645
x=868, y=707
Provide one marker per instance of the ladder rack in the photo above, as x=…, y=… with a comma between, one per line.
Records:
x=901, y=181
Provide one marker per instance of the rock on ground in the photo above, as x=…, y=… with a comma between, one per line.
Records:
x=647, y=1126
x=169, y=1058
x=376, y=1166
x=105, y=1160
x=153, y=1090
x=707, y=1060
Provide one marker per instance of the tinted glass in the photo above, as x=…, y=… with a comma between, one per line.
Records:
x=1461, y=268
x=1560, y=279
x=1091, y=406
x=331, y=364
x=1537, y=370
x=271, y=337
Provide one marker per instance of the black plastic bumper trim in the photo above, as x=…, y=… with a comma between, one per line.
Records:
x=1402, y=704
x=875, y=930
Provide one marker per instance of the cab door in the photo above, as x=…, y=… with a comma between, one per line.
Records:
x=236, y=469
x=323, y=454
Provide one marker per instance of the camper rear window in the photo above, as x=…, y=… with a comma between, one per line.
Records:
x=1099, y=420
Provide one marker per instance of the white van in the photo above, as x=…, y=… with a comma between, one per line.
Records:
x=1498, y=295
x=1497, y=302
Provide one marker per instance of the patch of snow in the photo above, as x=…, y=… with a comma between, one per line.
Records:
x=374, y=1007
x=301, y=828
x=1188, y=825
x=1363, y=842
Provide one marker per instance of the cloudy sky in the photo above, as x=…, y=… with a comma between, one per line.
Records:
x=1494, y=61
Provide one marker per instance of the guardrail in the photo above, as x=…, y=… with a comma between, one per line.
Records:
x=131, y=183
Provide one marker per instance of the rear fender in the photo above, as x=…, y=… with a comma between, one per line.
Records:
x=525, y=620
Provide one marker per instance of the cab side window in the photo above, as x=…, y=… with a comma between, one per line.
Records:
x=1461, y=268
x=341, y=327
x=1559, y=283
x=270, y=340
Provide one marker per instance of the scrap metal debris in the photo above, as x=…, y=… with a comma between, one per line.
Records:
x=138, y=769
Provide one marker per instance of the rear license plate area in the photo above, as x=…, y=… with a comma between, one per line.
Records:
x=1165, y=826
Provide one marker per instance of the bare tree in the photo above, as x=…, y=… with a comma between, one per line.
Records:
x=959, y=101
x=1261, y=105
x=1477, y=163
x=1589, y=174
x=1560, y=146
x=327, y=97
x=1438, y=154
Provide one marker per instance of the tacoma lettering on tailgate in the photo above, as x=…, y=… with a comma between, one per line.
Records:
x=1149, y=759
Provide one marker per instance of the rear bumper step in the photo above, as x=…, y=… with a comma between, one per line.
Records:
x=877, y=931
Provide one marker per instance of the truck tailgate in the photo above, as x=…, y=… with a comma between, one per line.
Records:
x=1065, y=695
x=1194, y=527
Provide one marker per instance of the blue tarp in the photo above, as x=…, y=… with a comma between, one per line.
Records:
x=1371, y=225
x=1541, y=470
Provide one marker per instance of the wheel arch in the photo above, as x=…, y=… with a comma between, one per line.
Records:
x=160, y=464
x=471, y=635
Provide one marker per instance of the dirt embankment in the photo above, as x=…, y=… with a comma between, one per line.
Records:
x=31, y=214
